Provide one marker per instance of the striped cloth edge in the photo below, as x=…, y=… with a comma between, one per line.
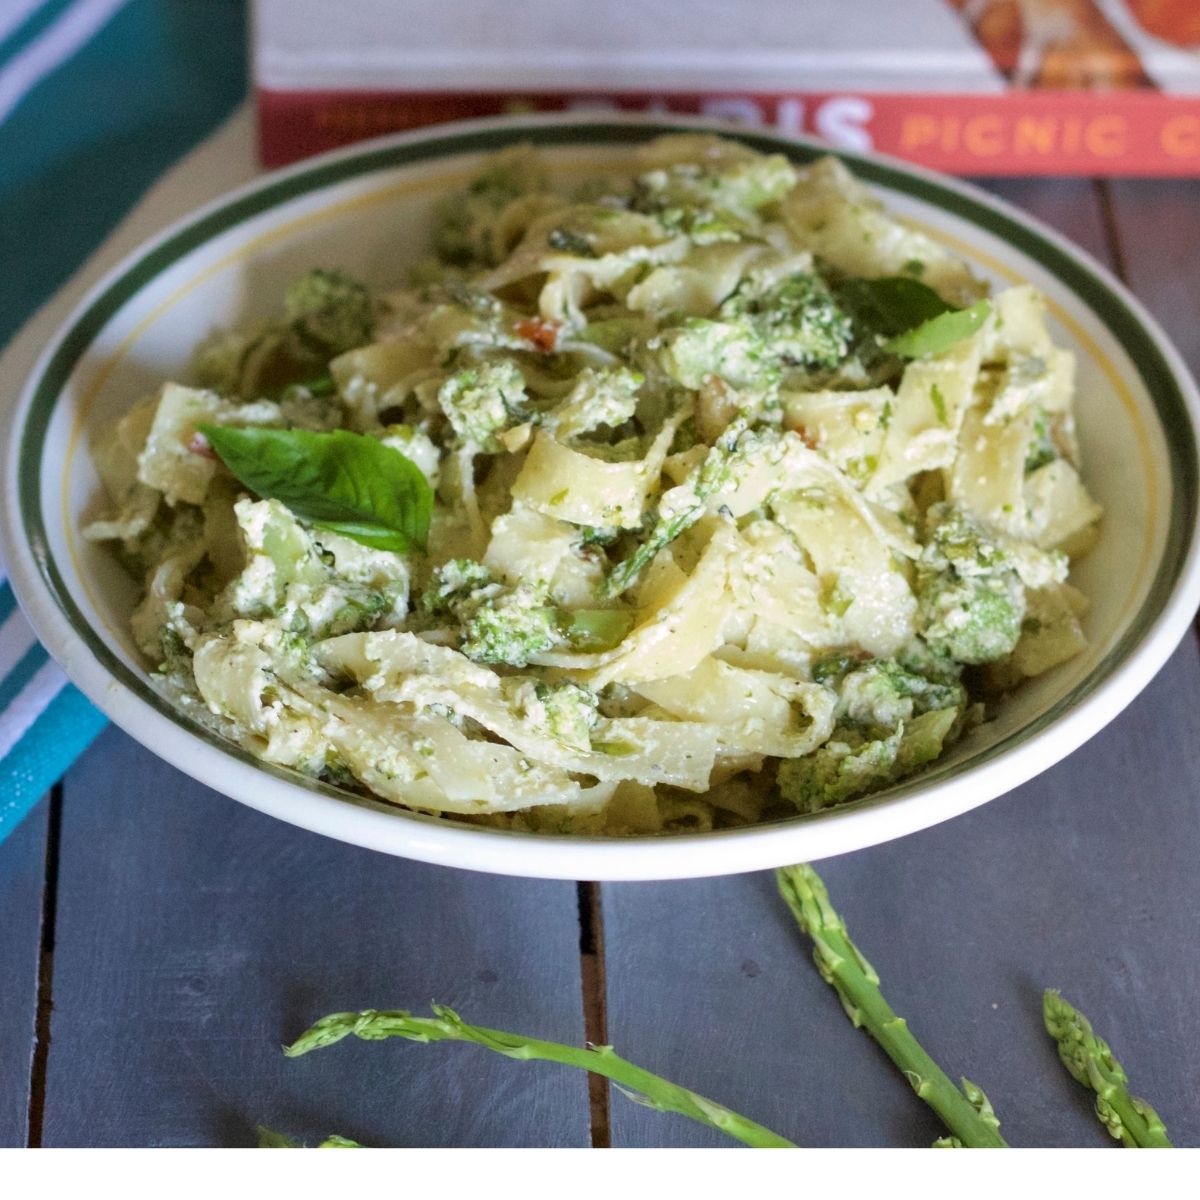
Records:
x=45, y=724
x=66, y=32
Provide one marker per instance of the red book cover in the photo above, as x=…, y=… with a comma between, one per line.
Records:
x=1019, y=87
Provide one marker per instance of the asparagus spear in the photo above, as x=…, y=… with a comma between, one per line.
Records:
x=966, y=1113
x=447, y=1026
x=692, y=499
x=1091, y=1062
x=268, y=1139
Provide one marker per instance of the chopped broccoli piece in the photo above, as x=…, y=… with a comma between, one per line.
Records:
x=480, y=401
x=733, y=350
x=508, y=625
x=882, y=694
x=971, y=600
x=846, y=766
x=452, y=583
x=566, y=711
x=500, y=624
x=853, y=763
x=717, y=197
x=330, y=312
x=1042, y=449
x=797, y=319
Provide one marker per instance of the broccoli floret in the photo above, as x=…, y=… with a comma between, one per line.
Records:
x=605, y=397
x=500, y=624
x=566, y=711
x=733, y=350
x=453, y=583
x=846, y=766
x=717, y=194
x=508, y=625
x=480, y=401
x=330, y=312
x=854, y=763
x=762, y=330
x=971, y=600
x=797, y=319
x=883, y=695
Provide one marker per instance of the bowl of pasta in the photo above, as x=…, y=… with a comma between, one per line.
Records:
x=607, y=498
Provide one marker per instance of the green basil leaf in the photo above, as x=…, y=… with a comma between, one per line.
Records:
x=939, y=333
x=891, y=305
x=346, y=482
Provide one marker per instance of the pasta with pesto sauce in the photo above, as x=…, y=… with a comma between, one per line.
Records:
x=744, y=499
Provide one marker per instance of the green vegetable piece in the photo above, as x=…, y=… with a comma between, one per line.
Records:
x=939, y=334
x=268, y=1139
x=971, y=600
x=734, y=350
x=465, y=235
x=345, y=482
x=447, y=1026
x=452, y=583
x=797, y=319
x=1042, y=447
x=480, y=401
x=330, y=312
x=848, y=765
x=510, y=626
x=1090, y=1061
x=688, y=501
x=883, y=693
x=594, y=629
x=891, y=305
x=939, y=403
x=966, y=1113
x=567, y=711
x=567, y=241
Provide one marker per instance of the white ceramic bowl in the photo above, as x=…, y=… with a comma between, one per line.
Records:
x=368, y=209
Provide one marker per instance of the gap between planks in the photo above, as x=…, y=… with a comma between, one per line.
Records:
x=595, y=1016
x=45, y=975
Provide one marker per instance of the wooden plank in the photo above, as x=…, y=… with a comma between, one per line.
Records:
x=1158, y=228
x=194, y=936
x=1083, y=879
x=22, y=885
x=1070, y=206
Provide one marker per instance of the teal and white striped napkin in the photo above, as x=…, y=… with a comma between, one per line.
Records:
x=97, y=99
x=44, y=722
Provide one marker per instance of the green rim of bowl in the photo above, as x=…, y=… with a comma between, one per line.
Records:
x=1122, y=322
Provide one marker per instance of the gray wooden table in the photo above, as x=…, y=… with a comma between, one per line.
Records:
x=158, y=942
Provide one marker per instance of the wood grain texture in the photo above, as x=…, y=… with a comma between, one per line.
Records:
x=194, y=936
x=22, y=884
x=1158, y=228
x=1083, y=879
x=1071, y=206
